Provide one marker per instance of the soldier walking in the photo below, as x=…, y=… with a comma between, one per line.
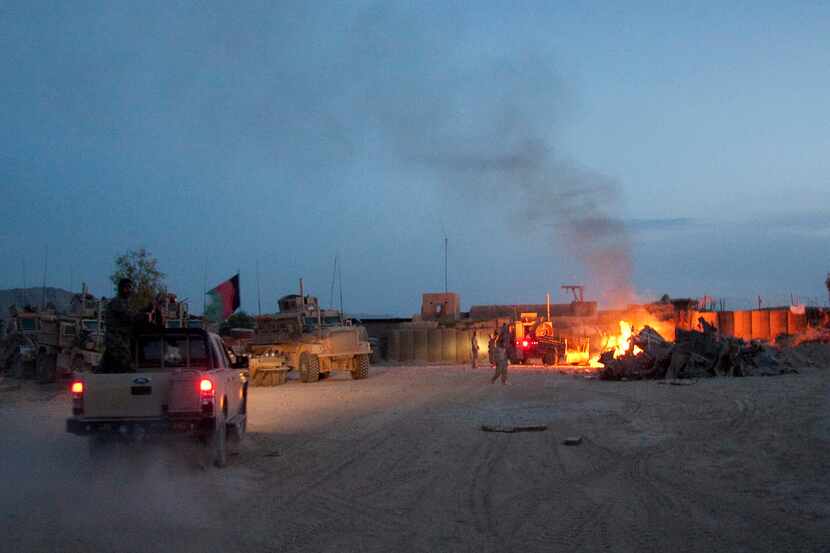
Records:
x=502, y=343
x=491, y=348
x=474, y=348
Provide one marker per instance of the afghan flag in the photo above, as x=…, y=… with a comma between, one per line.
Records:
x=224, y=300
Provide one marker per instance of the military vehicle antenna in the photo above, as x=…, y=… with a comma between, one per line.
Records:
x=333, y=280
x=45, y=268
x=340, y=279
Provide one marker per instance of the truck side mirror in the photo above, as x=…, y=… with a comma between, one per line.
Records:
x=240, y=363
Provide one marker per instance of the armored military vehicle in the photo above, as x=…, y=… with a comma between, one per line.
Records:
x=303, y=337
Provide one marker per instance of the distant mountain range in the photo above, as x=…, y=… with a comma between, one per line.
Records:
x=21, y=297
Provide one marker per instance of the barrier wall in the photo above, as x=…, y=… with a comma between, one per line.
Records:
x=449, y=342
x=726, y=323
x=435, y=343
x=743, y=325
x=778, y=323
x=407, y=346
x=760, y=325
x=394, y=346
x=419, y=341
x=462, y=346
x=796, y=323
x=449, y=345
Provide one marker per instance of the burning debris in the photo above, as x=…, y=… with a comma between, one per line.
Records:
x=694, y=354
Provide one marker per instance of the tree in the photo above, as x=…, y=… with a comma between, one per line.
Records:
x=240, y=319
x=142, y=268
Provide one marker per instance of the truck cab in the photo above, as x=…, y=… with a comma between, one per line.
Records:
x=179, y=381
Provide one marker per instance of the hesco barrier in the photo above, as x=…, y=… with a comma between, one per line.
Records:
x=407, y=345
x=420, y=344
x=778, y=323
x=434, y=345
x=394, y=350
x=462, y=346
x=448, y=341
x=435, y=341
x=757, y=324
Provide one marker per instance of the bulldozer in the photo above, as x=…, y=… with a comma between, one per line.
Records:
x=303, y=337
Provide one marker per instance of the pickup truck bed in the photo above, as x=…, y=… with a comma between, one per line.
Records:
x=181, y=382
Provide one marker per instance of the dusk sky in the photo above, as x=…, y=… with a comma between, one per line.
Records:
x=679, y=150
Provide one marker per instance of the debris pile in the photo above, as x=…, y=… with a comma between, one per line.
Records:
x=696, y=355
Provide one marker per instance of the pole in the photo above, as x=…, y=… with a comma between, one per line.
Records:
x=258, y=296
x=23, y=273
x=45, y=268
x=340, y=279
x=446, y=240
x=547, y=300
x=333, y=280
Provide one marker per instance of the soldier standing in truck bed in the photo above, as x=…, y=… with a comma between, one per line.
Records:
x=121, y=321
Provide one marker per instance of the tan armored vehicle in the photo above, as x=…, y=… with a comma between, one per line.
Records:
x=19, y=347
x=308, y=339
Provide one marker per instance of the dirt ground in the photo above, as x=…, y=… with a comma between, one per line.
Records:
x=398, y=462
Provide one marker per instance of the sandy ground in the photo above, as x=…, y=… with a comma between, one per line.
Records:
x=398, y=463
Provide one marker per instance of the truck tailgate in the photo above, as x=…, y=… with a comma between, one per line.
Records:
x=126, y=394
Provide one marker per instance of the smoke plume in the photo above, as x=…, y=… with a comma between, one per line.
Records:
x=488, y=126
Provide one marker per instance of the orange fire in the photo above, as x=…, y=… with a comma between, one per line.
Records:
x=620, y=343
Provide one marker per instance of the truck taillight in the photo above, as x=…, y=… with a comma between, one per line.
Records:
x=206, y=392
x=77, y=389
x=524, y=343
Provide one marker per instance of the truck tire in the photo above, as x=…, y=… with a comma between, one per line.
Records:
x=362, y=369
x=18, y=367
x=549, y=358
x=309, y=367
x=217, y=443
x=46, y=368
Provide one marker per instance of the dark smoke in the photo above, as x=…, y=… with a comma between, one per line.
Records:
x=577, y=204
x=488, y=127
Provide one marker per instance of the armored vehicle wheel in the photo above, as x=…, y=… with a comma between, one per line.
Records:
x=362, y=369
x=18, y=367
x=549, y=358
x=45, y=368
x=309, y=367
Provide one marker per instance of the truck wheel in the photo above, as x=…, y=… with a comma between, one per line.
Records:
x=549, y=358
x=309, y=367
x=46, y=369
x=217, y=443
x=18, y=367
x=362, y=369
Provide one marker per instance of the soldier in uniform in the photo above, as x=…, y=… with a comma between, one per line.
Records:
x=474, y=348
x=491, y=348
x=502, y=344
x=121, y=321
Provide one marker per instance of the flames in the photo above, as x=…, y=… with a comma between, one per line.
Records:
x=619, y=344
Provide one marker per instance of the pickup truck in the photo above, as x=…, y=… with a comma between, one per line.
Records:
x=181, y=381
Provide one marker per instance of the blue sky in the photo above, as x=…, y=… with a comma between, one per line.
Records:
x=663, y=148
